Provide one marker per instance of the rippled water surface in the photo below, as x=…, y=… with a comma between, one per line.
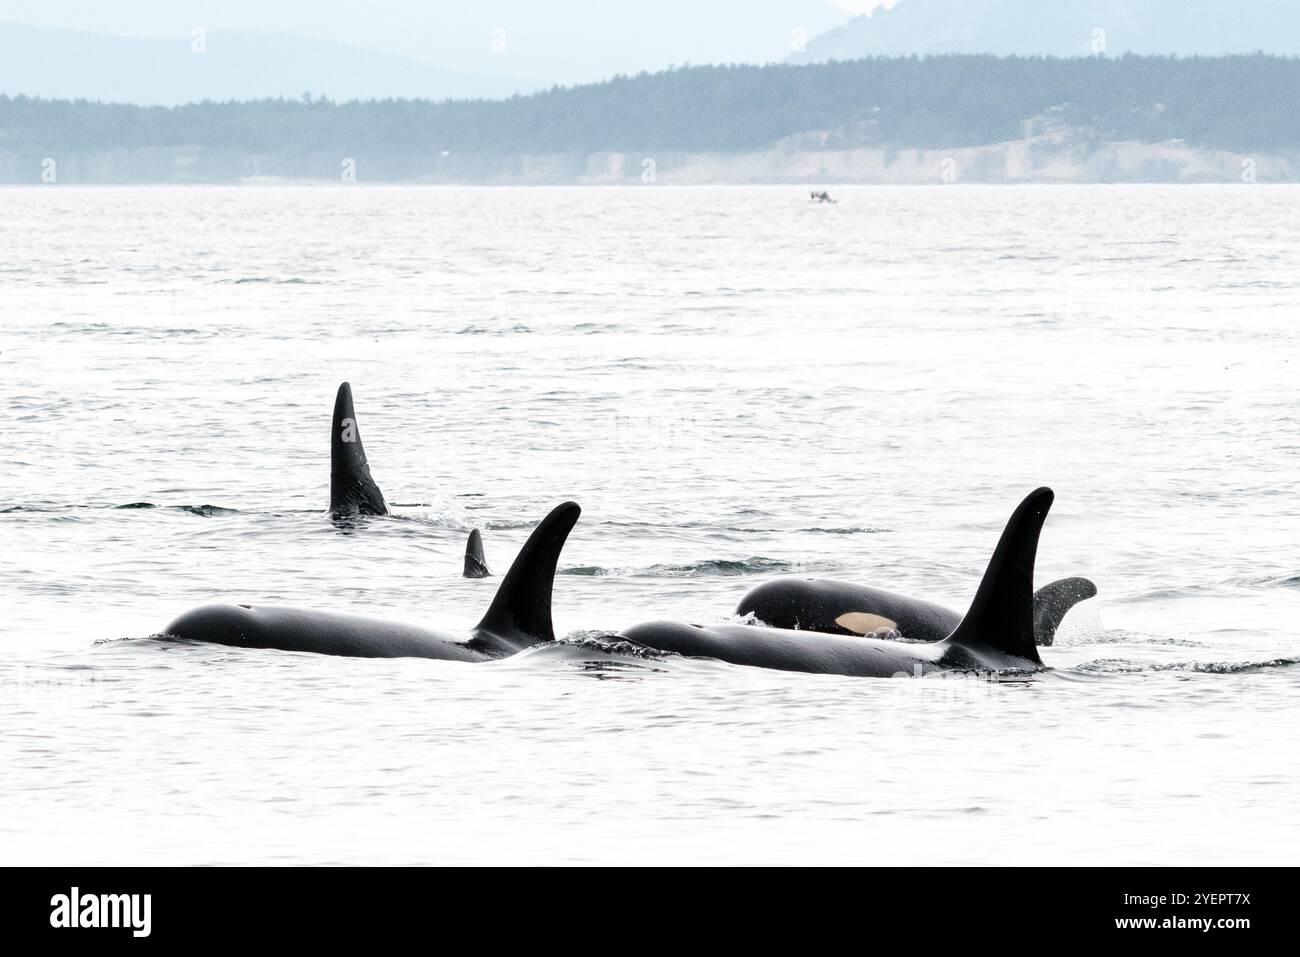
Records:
x=736, y=384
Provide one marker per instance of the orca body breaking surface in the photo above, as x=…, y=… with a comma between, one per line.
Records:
x=840, y=608
x=996, y=634
x=518, y=618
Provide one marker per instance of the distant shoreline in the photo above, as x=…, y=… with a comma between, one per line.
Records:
x=900, y=121
x=1045, y=160
x=324, y=185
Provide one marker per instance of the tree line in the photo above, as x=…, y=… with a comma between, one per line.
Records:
x=1231, y=103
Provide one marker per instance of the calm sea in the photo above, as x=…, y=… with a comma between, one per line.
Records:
x=736, y=384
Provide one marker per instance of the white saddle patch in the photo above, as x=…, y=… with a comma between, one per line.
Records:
x=861, y=623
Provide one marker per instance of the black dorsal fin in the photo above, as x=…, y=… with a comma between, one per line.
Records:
x=352, y=490
x=520, y=614
x=1002, y=615
x=475, y=560
x=1052, y=603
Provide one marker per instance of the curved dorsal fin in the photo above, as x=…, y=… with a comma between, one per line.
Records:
x=1052, y=602
x=475, y=560
x=352, y=490
x=1002, y=615
x=520, y=614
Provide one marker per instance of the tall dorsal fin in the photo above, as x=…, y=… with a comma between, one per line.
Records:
x=475, y=560
x=1052, y=602
x=1002, y=615
x=520, y=614
x=352, y=490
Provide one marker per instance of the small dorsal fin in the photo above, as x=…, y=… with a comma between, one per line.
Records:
x=352, y=490
x=1002, y=615
x=520, y=614
x=475, y=560
x=1052, y=603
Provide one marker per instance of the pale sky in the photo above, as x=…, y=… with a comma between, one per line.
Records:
x=560, y=41
x=862, y=6
x=164, y=17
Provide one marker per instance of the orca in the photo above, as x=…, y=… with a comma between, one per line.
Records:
x=518, y=618
x=838, y=608
x=352, y=489
x=997, y=633
x=475, y=561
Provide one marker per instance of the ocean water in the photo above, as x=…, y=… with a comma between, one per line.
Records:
x=736, y=384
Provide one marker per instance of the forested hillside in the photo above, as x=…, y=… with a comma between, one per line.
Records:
x=1244, y=103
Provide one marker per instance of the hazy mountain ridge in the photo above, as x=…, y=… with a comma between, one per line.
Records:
x=383, y=47
x=225, y=66
x=1077, y=28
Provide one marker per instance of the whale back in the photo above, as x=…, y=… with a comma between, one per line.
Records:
x=352, y=490
x=1001, y=617
x=838, y=608
x=520, y=613
x=475, y=561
